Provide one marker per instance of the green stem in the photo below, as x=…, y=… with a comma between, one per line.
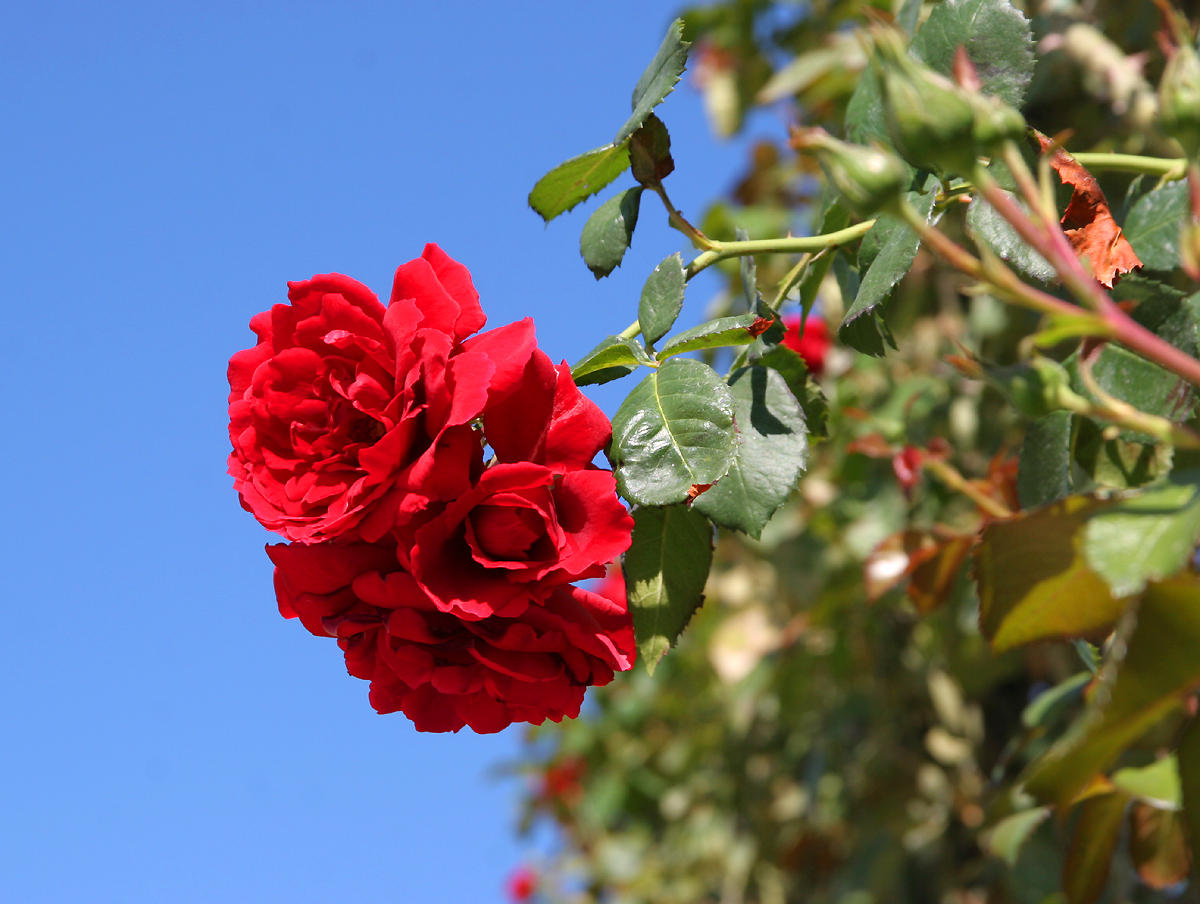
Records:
x=1163, y=167
x=1052, y=243
x=679, y=221
x=719, y=251
x=998, y=277
x=631, y=331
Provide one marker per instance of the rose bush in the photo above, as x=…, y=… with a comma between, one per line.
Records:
x=441, y=670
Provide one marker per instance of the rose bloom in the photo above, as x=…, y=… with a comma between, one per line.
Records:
x=348, y=415
x=812, y=345
x=441, y=670
x=522, y=884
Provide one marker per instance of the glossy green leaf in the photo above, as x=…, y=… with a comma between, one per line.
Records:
x=1097, y=828
x=1159, y=670
x=991, y=229
x=613, y=352
x=577, y=179
x=896, y=254
x=1146, y=537
x=1154, y=225
x=772, y=451
x=997, y=38
x=1044, y=470
x=1144, y=385
x=1189, y=779
x=662, y=298
x=1156, y=784
x=608, y=232
x=658, y=80
x=1033, y=580
x=789, y=365
x=665, y=572
x=672, y=433
x=720, y=333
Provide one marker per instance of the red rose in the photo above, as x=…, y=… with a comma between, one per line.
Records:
x=522, y=884
x=812, y=345
x=440, y=670
x=515, y=537
x=348, y=415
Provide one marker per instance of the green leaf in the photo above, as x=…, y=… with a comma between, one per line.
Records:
x=772, y=452
x=991, y=229
x=658, y=80
x=835, y=217
x=662, y=298
x=1009, y=835
x=897, y=252
x=1154, y=225
x=579, y=178
x=909, y=15
x=650, y=152
x=1051, y=702
x=1097, y=828
x=1146, y=537
x=1143, y=385
x=789, y=365
x=1156, y=784
x=613, y=352
x=673, y=432
x=719, y=333
x=1188, y=756
x=865, y=120
x=996, y=36
x=1044, y=471
x=1033, y=580
x=608, y=232
x=1160, y=669
x=665, y=572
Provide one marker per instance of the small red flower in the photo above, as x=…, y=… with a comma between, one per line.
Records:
x=812, y=345
x=522, y=883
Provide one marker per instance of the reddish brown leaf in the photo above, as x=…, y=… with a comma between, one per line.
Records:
x=760, y=326
x=930, y=560
x=934, y=578
x=695, y=490
x=1088, y=221
x=1157, y=845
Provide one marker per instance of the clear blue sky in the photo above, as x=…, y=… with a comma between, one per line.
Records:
x=167, y=167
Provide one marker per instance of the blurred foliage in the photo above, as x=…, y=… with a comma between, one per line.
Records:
x=833, y=726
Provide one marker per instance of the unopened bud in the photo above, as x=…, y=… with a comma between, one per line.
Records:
x=1179, y=99
x=869, y=179
x=929, y=118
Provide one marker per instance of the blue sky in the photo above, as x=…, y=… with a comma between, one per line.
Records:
x=168, y=167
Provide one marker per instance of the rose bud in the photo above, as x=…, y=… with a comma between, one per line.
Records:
x=1179, y=99
x=868, y=178
x=929, y=118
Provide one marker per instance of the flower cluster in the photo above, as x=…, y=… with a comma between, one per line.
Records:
x=360, y=434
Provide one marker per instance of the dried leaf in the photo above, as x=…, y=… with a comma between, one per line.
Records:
x=1088, y=221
